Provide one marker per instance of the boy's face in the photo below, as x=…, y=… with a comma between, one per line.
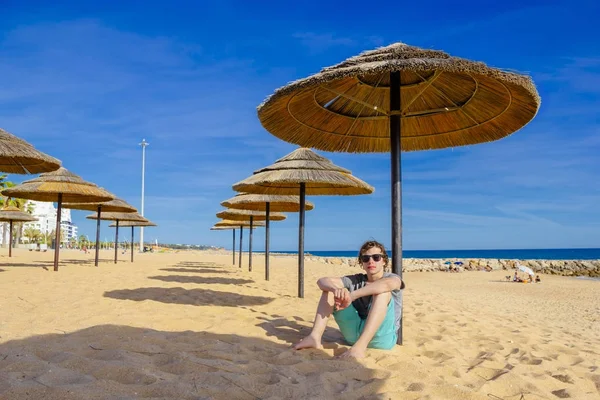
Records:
x=369, y=263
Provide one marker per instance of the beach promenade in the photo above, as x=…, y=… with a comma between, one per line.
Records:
x=189, y=325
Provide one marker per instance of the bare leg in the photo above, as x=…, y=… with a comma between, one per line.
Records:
x=324, y=310
x=376, y=316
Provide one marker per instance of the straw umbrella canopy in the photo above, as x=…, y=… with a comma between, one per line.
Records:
x=58, y=186
x=266, y=203
x=236, y=224
x=400, y=97
x=252, y=216
x=303, y=172
x=12, y=214
x=249, y=215
x=118, y=217
x=19, y=157
x=133, y=224
x=258, y=202
x=115, y=205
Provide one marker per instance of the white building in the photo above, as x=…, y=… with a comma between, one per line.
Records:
x=46, y=223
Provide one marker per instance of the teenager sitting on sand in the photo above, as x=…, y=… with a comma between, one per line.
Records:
x=366, y=307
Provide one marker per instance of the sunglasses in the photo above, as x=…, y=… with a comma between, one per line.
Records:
x=376, y=257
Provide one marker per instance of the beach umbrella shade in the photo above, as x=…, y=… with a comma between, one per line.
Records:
x=238, y=224
x=118, y=217
x=266, y=203
x=525, y=269
x=12, y=214
x=114, y=205
x=303, y=172
x=133, y=224
x=251, y=216
x=19, y=157
x=59, y=186
x=400, y=98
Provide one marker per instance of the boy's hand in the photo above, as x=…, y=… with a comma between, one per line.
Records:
x=342, y=298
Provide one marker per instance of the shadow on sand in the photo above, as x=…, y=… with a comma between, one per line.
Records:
x=292, y=332
x=198, y=270
x=197, y=297
x=110, y=361
x=199, y=264
x=201, y=279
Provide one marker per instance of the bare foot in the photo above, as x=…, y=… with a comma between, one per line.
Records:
x=308, y=342
x=353, y=352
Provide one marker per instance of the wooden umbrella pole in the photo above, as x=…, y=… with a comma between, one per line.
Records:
x=98, y=235
x=116, y=241
x=10, y=239
x=233, y=247
x=396, y=163
x=241, y=238
x=57, y=233
x=301, y=242
x=267, y=235
x=131, y=243
x=250, y=245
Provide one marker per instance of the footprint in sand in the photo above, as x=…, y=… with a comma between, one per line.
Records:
x=563, y=378
x=124, y=375
x=415, y=387
x=561, y=394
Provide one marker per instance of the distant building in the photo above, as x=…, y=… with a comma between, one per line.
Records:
x=46, y=214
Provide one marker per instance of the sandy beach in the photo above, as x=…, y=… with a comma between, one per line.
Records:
x=190, y=325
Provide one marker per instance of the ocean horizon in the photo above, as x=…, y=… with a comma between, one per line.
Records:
x=519, y=254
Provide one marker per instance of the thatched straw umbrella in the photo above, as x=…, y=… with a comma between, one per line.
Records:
x=266, y=203
x=224, y=228
x=13, y=214
x=58, y=186
x=238, y=224
x=19, y=157
x=118, y=217
x=397, y=98
x=133, y=224
x=252, y=216
x=307, y=173
x=115, y=205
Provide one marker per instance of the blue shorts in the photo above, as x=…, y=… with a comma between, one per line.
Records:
x=351, y=325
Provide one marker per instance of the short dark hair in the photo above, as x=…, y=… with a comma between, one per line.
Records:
x=369, y=244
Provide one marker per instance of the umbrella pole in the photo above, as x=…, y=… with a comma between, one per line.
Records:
x=57, y=235
x=267, y=234
x=396, y=163
x=116, y=241
x=241, y=238
x=233, y=247
x=98, y=235
x=132, y=244
x=10, y=239
x=301, y=242
x=250, y=246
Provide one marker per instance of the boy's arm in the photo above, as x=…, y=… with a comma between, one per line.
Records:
x=330, y=284
x=380, y=286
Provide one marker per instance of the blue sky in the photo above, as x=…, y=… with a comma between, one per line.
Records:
x=86, y=82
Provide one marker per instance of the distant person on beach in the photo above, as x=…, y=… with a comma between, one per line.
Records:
x=537, y=279
x=367, y=307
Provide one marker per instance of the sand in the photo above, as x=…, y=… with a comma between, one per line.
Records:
x=189, y=325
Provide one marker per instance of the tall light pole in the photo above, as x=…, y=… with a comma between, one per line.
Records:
x=143, y=144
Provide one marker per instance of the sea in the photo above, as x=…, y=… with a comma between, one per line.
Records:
x=517, y=254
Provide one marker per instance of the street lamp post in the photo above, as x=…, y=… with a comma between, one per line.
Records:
x=143, y=144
